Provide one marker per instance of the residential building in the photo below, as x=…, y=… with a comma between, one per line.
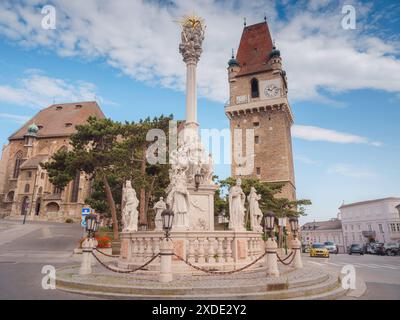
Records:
x=373, y=220
x=323, y=231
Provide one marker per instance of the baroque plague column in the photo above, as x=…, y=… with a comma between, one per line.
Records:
x=190, y=193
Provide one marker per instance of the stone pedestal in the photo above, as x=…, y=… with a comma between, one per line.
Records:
x=166, y=260
x=272, y=263
x=86, y=264
x=296, y=247
x=201, y=213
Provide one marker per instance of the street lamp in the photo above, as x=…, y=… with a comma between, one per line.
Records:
x=91, y=225
x=197, y=180
x=294, y=225
x=168, y=218
x=269, y=222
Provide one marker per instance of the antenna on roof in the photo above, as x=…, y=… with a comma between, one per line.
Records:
x=233, y=54
x=244, y=21
x=265, y=17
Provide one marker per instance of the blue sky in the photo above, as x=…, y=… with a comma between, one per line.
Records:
x=344, y=85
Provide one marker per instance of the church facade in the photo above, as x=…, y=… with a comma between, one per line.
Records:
x=24, y=186
x=258, y=108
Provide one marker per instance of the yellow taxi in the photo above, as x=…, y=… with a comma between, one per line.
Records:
x=319, y=250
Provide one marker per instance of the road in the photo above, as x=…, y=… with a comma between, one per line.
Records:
x=25, y=249
x=380, y=273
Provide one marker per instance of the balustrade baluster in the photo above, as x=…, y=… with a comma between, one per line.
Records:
x=211, y=250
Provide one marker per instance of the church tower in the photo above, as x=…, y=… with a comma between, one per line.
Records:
x=258, y=101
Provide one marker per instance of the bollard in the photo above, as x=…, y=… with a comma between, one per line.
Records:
x=296, y=247
x=272, y=262
x=166, y=253
x=86, y=265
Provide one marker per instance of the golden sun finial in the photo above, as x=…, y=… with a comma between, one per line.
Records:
x=192, y=21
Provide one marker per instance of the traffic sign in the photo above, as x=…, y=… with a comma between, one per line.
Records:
x=85, y=211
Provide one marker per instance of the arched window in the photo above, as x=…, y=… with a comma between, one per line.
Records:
x=27, y=187
x=10, y=196
x=255, y=92
x=18, y=162
x=75, y=187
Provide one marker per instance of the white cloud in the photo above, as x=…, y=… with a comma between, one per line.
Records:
x=140, y=39
x=312, y=133
x=13, y=117
x=351, y=171
x=304, y=159
x=37, y=91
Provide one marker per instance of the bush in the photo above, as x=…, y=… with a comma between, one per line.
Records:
x=69, y=220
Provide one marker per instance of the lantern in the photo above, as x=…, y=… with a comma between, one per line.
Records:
x=168, y=218
x=91, y=225
x=197, y=180
x=269, y=222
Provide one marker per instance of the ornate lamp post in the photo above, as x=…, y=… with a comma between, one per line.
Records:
x=91, y=225
x=167, y=218
x=197, y=180
x=166, y=248
x=271, y=245
x=296, y=243
x=87, y=246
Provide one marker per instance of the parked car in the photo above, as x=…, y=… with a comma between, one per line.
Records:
x=356, y=248
x=332, y=248
x=319, y=250
x=391, y=248
x=379, y=249
x=306, y=248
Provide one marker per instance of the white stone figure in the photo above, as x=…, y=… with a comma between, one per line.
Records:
x=178, y=199
x=255, y=211
x=208, y=170
x=236, y=207
x=159, y=207
x=130, y=204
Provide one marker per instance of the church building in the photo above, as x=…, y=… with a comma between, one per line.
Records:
x=24, y=186
x=258, y=104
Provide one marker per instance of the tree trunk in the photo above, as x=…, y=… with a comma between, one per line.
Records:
x=142, y=210
x=111, y=204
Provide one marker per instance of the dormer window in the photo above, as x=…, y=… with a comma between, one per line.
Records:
x=255, y=92
x=40, y=127
x=78, y=106
x=59, y=108
x=68, y=124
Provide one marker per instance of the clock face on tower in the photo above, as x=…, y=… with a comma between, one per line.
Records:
x=271, y=91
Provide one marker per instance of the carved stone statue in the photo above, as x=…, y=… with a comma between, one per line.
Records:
x=236, y=207
x=192, y=37
x=255, y=211
x=130, y=204
x=178, y=198
x=159, y=207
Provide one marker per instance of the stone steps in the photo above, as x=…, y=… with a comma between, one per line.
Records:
x=322, y=287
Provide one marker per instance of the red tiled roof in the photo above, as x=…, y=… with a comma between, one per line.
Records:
x=254, y=49
x=59, y=120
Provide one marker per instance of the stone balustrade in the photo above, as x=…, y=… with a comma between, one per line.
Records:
x=213, y=250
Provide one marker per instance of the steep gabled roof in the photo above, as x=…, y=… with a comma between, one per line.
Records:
x=59, y=120
x=254, y=49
